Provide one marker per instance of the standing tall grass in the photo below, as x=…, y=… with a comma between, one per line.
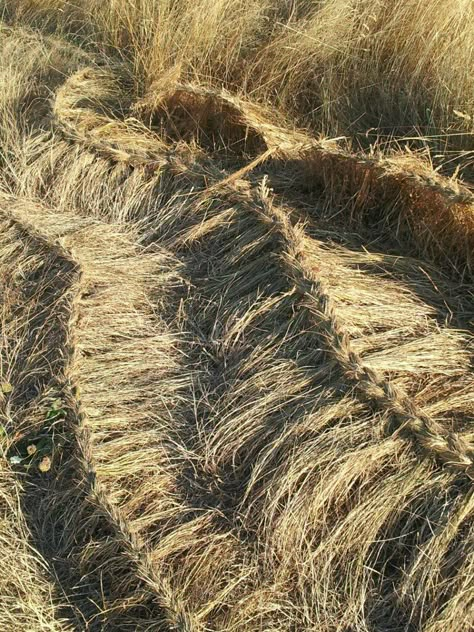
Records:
x=373, y=70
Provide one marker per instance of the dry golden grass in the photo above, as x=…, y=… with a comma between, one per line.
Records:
x=372, y=70
x=26, y=596
x=243, y=355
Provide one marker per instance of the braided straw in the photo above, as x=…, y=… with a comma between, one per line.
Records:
x=438, y=212
x=177, y=618
x=448, y=447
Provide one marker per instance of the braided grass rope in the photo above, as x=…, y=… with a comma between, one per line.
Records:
x=448, y=447
x=266, y=424
x=438, y=214
x=97, y=255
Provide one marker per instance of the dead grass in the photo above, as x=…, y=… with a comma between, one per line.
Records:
x=402, y=192
x=266, y=397
x=374, y=71
x=27, y=594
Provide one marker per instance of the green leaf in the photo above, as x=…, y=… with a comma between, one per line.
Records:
x=44, y=444
x=56, y=410
x=55, y=414
x=6, y=387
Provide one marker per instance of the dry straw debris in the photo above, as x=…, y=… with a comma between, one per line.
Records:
x=236, y=363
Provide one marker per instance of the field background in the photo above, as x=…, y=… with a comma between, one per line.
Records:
x=372, y=71
x=237, y=315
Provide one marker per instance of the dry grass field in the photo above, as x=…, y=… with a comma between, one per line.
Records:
x=236, y=316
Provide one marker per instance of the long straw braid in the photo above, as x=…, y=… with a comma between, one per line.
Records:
x=177, y=617
x=363, y=182
x=130, y=141
x=448, y=447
